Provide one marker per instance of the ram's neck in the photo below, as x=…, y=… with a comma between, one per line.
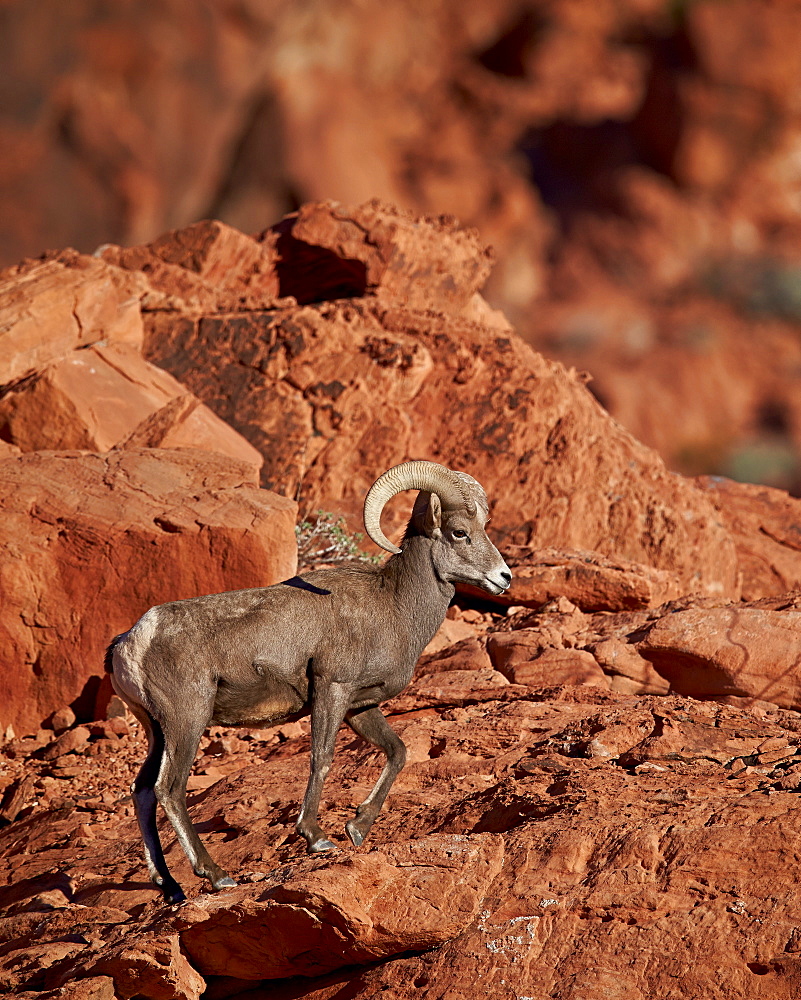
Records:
x=419, y=595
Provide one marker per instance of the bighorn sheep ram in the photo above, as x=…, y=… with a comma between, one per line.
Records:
x=337, y=642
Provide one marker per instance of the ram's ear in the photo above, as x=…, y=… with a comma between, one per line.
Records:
x=432, y=518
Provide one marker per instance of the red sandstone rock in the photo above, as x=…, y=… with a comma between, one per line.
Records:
x=62, y=719
x=454, y=685
x=48, y=308
x=93, y=988
x=644, y=820
x=652, y=827
x=327, y=251
x=16, y=796
x=207, y=264
x=519, y=656
x=734, y=415
x=68, y=742
x=328, y=914
x=107, y=396
x=467, y=654
x=744, y=653
x=450, y=631
x=765, y=525
x=627, y=670
x=149, y=965
x=127, y=165
x=736, y=651
x=93, y=540
x=587, y=579
x=330, y=392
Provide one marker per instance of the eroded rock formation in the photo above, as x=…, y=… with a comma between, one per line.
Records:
x=634, y=164
x=600, y=798
x=91, y=540
x=541, y=835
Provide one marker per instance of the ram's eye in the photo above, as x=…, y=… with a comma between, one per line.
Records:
x=459, y=533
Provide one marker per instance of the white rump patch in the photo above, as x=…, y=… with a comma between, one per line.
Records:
x=128, y=677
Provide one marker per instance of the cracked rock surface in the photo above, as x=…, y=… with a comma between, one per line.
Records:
x=554, y=841
x=601, y=793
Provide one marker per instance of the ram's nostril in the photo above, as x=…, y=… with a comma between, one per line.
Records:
x=506, y=576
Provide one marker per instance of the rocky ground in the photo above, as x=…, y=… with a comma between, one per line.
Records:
x=546, y=839
x=601, y=793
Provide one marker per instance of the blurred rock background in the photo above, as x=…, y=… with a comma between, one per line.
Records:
x=601, y=797
x=636, y=165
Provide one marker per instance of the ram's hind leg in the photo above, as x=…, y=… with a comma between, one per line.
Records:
x=181, y=740
x=144, y=799
x=371, y=725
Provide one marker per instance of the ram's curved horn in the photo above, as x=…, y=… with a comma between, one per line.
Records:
x=430, y=476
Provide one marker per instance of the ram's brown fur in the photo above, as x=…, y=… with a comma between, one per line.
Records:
x=334, y=642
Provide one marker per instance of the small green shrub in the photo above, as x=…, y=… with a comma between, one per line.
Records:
x=324, y=540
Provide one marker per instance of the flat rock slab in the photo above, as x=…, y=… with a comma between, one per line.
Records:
x=51, y=307
x=324, y=914
x=106, y=396
x=734, y=651
x=92, y=541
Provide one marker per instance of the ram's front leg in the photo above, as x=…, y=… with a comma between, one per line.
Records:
x=330, y=702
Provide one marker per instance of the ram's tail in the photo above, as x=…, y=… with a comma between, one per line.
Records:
x=108, y=659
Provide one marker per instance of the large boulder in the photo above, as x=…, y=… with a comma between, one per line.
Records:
x=410, y=362
x=106, y=396
x=90, y=541
x=350, y=911
x=52, y=306
x=334, y=392
x=765, y=525
x=750, y=653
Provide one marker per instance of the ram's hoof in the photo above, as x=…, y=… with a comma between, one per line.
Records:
x=355, y=834
x=174, y=894
x=321, y=845
x=224, y=883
